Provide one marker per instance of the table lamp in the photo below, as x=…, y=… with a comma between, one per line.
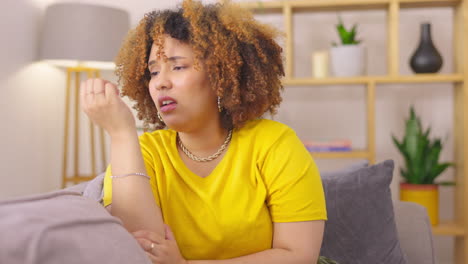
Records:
x=83, y=38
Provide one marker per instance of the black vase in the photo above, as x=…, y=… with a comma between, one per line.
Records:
x=426, y=59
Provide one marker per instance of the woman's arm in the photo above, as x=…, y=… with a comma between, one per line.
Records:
x=132, y=198
x=293, y=243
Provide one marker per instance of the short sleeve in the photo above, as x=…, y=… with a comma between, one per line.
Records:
x=148, y=158
x=294, y=187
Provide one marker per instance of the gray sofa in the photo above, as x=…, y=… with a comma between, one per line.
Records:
x=70, y=226
x=414, y=232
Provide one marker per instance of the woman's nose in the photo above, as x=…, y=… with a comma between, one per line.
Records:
x=163, y=81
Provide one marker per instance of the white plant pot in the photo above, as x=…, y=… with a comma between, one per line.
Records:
x=348, y=60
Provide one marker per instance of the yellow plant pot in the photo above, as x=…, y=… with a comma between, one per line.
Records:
x=426, y=195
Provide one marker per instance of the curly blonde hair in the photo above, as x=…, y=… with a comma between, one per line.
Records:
x=240, y=54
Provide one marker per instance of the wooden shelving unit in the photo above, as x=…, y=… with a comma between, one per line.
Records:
x=420, y=78
x=449, y=229
x=458, y=227
x=363, y=154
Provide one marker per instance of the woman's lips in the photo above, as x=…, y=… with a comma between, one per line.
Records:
x=168, y=108
x=167, y=104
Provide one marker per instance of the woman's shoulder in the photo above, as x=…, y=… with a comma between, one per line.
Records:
x=265, y=130
x=265, y=126
x=158, y=137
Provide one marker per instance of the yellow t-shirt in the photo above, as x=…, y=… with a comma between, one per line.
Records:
x=266, y=176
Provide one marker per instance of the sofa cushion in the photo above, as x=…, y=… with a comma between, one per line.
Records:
x=348, y=170
x=63, y=227
x=361, y=225
x=414, y=226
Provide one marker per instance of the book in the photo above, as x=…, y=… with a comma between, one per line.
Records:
x=328, y=146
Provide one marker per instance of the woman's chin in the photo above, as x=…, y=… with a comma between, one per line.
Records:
x=175, y=125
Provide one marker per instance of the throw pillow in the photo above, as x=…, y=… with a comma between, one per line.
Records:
x=348, y=170
x=361, y=225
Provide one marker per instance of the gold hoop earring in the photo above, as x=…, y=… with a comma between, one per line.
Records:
x=220, y=108
x=160, y=118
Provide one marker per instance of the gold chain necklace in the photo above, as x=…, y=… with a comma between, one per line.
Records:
x=209, y=158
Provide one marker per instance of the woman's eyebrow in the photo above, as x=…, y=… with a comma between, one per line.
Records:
x=173, y=58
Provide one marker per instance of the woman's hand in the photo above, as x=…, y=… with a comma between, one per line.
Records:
x=100, y=100
x=161, y=250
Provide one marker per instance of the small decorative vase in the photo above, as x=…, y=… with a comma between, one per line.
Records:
x=426, y=58
x=320, y=64
x=348, y=60
x=426, y=195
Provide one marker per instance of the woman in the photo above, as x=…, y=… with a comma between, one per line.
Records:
x=233, y=188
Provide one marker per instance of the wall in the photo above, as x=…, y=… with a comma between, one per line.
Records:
x=28, y=124
x=31, y=106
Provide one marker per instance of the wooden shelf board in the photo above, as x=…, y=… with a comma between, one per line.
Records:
x=326, y=81
x=307, y=5
x=268, y=6
x=428, y=3
x=420, y=78
x=341, y=155
x=448, y=228
x=320, y=5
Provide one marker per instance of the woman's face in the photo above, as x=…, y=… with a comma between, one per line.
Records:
x=181, y=93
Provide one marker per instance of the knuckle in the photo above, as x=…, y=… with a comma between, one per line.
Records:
x=101, y=105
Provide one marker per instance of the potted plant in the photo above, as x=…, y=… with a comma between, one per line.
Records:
x=422, y=167
x=325, y=260
x=348, y=58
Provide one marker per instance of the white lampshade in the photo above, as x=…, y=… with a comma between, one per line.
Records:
x=85, y=34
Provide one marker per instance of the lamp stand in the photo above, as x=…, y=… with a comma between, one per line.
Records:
x=74, y=74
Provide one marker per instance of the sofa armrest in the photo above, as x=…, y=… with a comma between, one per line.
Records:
x=92, y=189
x=79, y=188
x=415, y=232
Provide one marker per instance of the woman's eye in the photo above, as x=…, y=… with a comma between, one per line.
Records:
x=154, y=73
x=177, y=68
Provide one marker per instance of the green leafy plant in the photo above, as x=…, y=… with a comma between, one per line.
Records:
x=347, y=37
x=325, y=260
x=420, y=152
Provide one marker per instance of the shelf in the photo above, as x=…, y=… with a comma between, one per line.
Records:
x=428, y=3
x=420, y=78
x=261, y=6
x=326, y=81
x=341, y=155
x=268, y=6
x=449, y=229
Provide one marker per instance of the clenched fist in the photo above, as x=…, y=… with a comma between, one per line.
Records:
x=101, y=101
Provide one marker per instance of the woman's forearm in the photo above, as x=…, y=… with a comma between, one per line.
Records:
x=270, y=256
x=132, y=198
